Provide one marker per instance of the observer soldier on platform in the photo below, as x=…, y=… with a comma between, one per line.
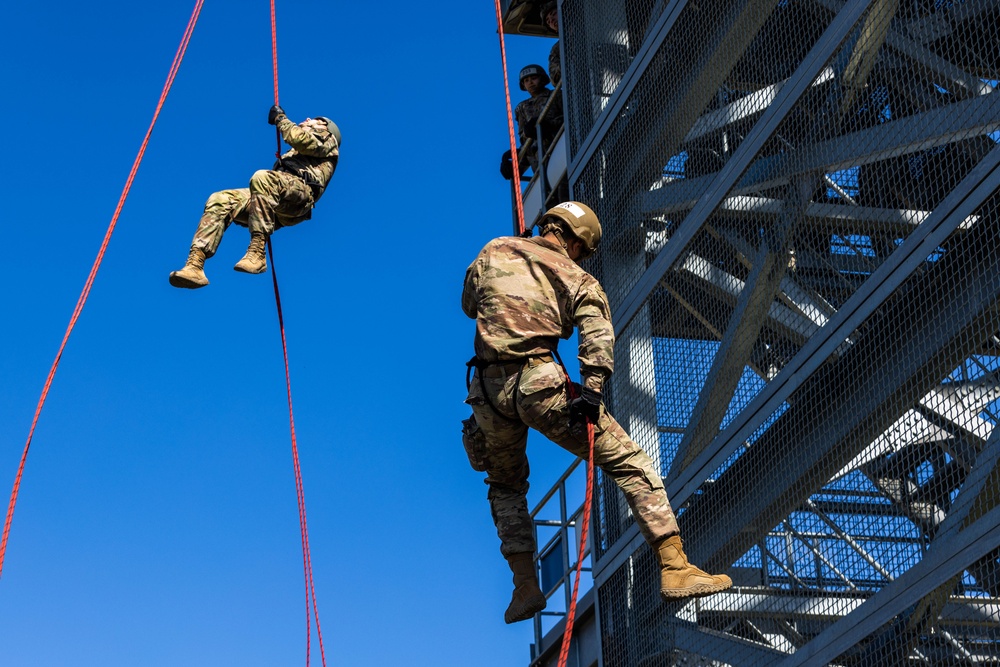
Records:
x=533, y=79
x=278, y=197
x=525, y=294
x=550, y=19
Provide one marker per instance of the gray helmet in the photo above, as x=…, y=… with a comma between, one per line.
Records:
x=580, y=221
x=532, y=70
x=332, y=127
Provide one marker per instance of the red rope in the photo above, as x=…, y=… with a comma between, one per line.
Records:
x=274, y=66
x=299, y=489
x=510, y=124
x=571, y=614
x=174, y=67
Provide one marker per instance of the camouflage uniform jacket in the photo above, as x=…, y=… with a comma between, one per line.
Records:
x=555, y=67
x=531, y=109
x=313, y=156
x=527, y=293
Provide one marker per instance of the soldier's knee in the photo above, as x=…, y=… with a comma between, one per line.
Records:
x=260, y=179
x=217, y=199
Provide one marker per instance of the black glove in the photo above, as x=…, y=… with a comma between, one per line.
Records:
x=529, y=127
x=586, y=405
x=272, y=115
x=506, y=166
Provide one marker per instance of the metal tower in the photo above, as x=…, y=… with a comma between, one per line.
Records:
x=802, y=251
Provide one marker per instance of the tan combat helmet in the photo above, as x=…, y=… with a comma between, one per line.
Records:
x=332, y=127
x=532, y=70
x=581, y=222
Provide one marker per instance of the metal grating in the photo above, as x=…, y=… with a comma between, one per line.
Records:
x=801, y=228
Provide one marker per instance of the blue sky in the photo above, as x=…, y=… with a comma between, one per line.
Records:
x=157, y=522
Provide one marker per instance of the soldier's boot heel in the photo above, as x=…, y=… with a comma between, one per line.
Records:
x=255, y=261
x=528, y=598
x=192, y=276
x=680, y=579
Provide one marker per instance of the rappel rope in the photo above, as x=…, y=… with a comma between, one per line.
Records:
x=516, y=181
x=584, y=529
x=312, y=608
x=174, y=67
x=571, y=613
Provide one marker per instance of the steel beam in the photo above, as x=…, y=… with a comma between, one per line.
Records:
x=959, y=205
x=929, y=129
x=962, y=84
x=723, y=182
x=959, y=544
x=725, y=648
x=754, y=303
x=917, y=353
x=729, y=27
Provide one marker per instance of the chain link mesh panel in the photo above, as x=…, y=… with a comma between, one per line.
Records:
x=816, y=370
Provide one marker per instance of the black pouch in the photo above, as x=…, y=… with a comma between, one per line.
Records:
x=475, y=444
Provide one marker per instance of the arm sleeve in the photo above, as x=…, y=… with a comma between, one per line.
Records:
x=592, y=316
x=301, y=140
x=469, y=300
x=521, y=116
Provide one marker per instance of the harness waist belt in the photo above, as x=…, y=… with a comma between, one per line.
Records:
x=501, y=368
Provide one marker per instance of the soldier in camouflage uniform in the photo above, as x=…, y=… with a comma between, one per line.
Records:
x=533, y=80
x=525, y=295
x=278, y=197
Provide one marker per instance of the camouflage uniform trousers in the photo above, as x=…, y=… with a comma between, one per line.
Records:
x=274, y=199
x=540, y=402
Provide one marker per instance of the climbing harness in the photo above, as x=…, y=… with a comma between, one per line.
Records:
x=174, y=67
x=520, y=231
x=481, y=365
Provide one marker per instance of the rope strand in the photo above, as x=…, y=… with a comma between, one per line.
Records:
x=516, y=181
x=174, y=68
x=571, y=613
x=299, y=488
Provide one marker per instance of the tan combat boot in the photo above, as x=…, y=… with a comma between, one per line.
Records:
x=528, y=598
x=255, y=261
x=192, y=276
x=679, y=578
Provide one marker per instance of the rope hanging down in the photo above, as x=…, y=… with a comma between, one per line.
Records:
x=312, y=608
x=174, y=67
x=571, y=614
x=510, y=125
x=299, y=490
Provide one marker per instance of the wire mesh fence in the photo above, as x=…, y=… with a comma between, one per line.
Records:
x=801, y=225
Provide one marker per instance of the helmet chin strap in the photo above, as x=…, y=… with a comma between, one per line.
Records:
x=562, y=240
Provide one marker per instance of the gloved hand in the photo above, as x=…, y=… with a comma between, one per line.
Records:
x=529, y=127
x=507, y=166
x=272, y=115
x=586, y=405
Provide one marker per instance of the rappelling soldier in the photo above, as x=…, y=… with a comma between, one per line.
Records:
x=534, y=80
x=525, y=294
x=278, y=197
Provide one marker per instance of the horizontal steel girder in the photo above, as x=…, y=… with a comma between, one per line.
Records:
x=962, y=120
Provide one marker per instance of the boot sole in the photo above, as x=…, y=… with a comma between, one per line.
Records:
x=524, y=611
x=180, y=281
x=242, y=270
x=696, y=591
